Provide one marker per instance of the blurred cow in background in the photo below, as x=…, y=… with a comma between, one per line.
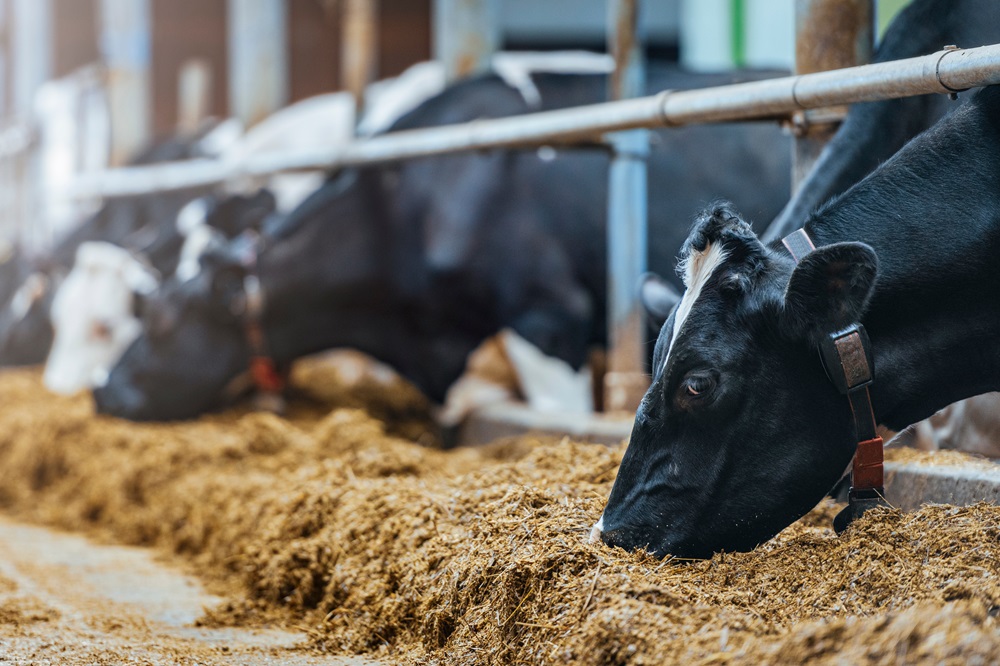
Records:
x=136, y=223
x=95, y=312
x=418, y=263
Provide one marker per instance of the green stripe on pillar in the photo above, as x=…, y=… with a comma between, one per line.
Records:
x=737, y=33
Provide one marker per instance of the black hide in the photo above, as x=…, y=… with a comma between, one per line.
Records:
x=741, y=432
x=417, y=263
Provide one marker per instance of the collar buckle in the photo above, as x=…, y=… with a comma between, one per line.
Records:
x=847, y=358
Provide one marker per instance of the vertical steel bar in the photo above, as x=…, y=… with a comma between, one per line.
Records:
x=194, y=95
x=31, y=37
x=626, y=380
x=359, y=47
x=126, y=50
x=829, y=34
x=466, y=35
x=258, y=58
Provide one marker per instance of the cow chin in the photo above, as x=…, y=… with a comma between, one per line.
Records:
x=122, y=401
x=153, y=384
x=126, y=400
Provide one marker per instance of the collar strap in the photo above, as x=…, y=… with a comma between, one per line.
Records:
x=263, y=369
x=848, y=361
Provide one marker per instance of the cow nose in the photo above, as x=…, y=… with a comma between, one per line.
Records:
x=115, y=401
x=616, y=538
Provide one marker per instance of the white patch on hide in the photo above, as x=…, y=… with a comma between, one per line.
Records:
x=597, y=530
x=192, y=215
x=99, y=378
x=467, y=395
x=389, y=100
x=220, y=138
x=92, y=316
x=516, y=68
x=697, y=269
x=195, y=245
x=548, y=384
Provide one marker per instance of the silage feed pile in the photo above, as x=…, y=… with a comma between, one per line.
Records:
x=382, y=547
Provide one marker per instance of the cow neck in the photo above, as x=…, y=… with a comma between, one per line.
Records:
x=932, y=215
x=934, y=326
x=847, y=359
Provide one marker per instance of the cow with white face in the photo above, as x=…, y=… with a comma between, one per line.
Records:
x=92, y=315
x=95, y=312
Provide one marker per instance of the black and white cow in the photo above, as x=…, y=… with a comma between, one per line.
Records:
x=135, y=223
x=872, y=132
x=95, y=311
x=741, y=431
x=416, y=264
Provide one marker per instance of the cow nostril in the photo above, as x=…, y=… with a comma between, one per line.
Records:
x=616, y=538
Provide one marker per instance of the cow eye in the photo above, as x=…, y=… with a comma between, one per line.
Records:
x=101, y=331
x=697, y=386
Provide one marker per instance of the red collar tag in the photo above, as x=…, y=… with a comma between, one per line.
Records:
x=265, y=375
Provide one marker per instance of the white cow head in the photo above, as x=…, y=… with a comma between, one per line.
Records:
x=93, y=316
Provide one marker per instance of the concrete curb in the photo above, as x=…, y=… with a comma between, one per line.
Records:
x=511, y=420
x=908, y=485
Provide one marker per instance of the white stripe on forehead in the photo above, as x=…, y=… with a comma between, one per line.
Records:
x=698, y=268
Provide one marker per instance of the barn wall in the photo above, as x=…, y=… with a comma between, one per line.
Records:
x=183, y=30
x=404, y=38
x=74, y=35
x=404, y=35
x=313, y=47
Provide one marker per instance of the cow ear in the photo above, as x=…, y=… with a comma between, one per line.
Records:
x=829, y=290
x=658, y=297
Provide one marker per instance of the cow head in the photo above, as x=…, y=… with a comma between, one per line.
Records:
x=191, y=345
x=93, y=315
x=741, y=432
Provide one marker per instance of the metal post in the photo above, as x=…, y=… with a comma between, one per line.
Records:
x=626, y=380
x=829, y=34
x=194, y=96
x=258, y=58
x=31, y=42
x=359, y=47
x=31, y=37
x=466, y=34
x=125, y=47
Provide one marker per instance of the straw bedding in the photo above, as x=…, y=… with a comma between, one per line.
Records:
x=331, y=520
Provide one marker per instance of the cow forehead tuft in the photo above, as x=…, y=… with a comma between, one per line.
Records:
x=697, y=268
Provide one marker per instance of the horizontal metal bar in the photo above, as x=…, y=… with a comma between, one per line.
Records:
x=941, y=72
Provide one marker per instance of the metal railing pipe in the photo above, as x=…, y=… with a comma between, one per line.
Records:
x=941, y=72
